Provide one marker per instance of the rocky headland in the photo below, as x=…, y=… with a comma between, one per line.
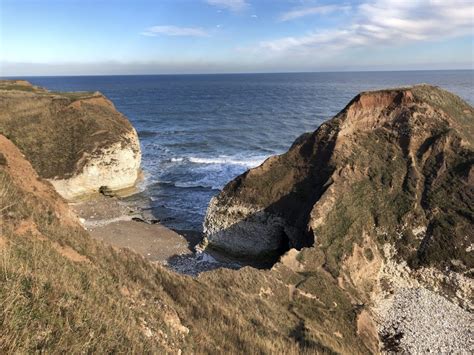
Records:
x=78, y=141
x=367, y=222
x=384, y=191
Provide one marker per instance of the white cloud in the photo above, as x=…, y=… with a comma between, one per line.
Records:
x=316, y=10
x=233, y=5
x=386, y=22
x=175, y=31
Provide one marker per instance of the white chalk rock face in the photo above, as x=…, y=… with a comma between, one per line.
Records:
x=243, y=231
x=115, y=167
x=78, y=141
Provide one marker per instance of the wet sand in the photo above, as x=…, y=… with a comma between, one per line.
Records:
x=110, y=220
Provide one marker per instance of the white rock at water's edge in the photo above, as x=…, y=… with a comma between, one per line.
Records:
x=115, y=167
x=241, y=230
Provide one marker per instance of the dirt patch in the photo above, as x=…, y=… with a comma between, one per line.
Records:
x=98, y=100
x=27, y=179
x=290, y=260
x=367, y=330
x=363, y=266
x=28, y=227
x=70, y=253
x=3, y=242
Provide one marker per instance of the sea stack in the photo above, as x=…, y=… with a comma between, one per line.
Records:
x=78, y=140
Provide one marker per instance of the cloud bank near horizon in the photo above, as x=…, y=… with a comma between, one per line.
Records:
x=144, y=68
x=235, y=36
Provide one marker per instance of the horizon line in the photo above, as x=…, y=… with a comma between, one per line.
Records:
x=240, y=73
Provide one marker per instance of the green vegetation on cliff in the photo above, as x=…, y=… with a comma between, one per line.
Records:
x=62, y=291
x=58, y=132
x=395, y=164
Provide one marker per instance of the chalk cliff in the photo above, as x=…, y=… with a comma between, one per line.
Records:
x=78, y=140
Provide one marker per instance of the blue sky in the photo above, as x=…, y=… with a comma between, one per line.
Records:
x=61, y=37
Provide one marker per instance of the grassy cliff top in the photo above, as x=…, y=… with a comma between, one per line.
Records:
x=26, y=86
x=59, y=131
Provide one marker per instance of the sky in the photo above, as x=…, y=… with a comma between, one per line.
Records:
x=94, y=37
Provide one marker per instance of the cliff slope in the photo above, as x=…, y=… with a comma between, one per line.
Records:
x=394, y=162
x=384, y=194
x=62, y=291
x=78, y=141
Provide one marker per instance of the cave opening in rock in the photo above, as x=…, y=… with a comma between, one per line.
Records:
x=105, y=190
x=304, y=240
x=284, y=245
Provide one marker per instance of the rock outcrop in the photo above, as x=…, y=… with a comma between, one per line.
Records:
x=381, y=268
x=383, y=194
x=394, y=164
x=78, y=141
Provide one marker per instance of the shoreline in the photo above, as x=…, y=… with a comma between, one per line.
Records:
x=122, y=225
x=112, y=221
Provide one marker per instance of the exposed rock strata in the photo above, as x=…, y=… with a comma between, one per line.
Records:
x=78, y=141
x=384, y=192
x=394, y=164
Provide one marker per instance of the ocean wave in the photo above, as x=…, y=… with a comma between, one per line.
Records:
x=249, y=162
x=204, y=172
x=197, y=185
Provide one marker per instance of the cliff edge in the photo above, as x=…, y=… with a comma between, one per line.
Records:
x=394, y=164
x=383, y=196
x=389, y=269
x=78, y=140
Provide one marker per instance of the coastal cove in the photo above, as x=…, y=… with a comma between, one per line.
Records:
x=365, y=221
x=250, y=177
x=198, y=132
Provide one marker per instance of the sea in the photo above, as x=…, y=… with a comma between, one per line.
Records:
x=198, y=132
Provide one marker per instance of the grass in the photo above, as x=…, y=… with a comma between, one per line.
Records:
x=67, y=132
x=115, y=301
x=17, y=87
x=61, y=291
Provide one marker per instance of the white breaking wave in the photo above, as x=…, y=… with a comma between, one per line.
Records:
x=204, y=183
x=214, y=172
x=227, y=160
